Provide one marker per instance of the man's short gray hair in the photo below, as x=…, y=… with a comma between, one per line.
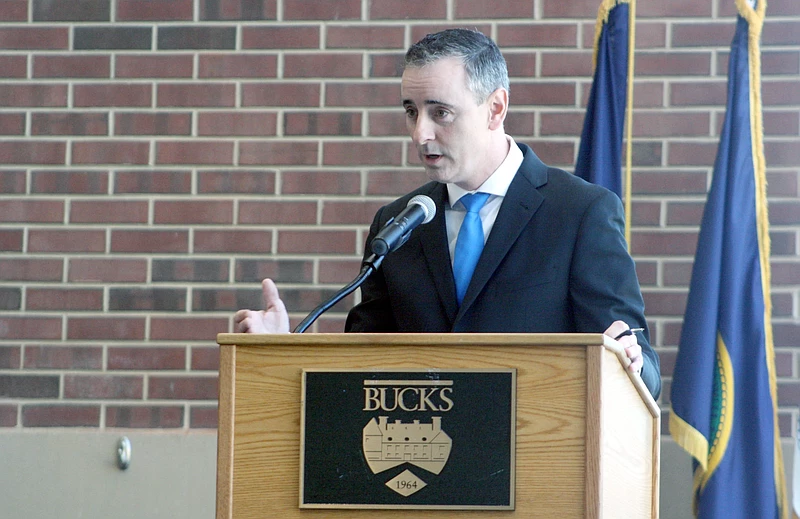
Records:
x=484, y=63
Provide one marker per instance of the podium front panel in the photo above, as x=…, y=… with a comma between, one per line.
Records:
x=261, y=404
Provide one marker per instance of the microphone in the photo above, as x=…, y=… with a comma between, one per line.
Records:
x=395, y=233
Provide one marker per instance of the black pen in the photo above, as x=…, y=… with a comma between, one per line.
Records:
x=629, y=331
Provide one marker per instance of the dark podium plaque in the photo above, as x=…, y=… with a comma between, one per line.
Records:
x=408, y=439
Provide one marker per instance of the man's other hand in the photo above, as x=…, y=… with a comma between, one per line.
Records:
x=629, y=342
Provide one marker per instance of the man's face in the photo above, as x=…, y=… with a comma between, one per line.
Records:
x=447, y=125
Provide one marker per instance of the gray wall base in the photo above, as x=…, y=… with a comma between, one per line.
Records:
x=73, y=474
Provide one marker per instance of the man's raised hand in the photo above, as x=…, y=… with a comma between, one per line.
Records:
x=273, y=319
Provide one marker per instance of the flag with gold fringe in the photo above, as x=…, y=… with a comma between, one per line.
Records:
x=600, y=153
x=723, y=401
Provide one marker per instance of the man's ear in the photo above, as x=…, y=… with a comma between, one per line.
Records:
x=498, y=108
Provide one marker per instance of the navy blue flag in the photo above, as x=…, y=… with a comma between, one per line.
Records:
x=724, y=403
x=600, y=153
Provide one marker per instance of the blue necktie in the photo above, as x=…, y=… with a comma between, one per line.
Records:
x=469, y=243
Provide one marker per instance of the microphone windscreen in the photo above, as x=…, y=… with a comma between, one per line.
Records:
x=427, y=203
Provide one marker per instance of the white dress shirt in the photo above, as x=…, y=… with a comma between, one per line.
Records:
x=496, y=185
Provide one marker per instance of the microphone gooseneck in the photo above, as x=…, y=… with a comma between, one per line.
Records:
x=394, y=234
x=369, y=266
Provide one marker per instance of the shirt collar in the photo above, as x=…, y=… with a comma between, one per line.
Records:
x=498, y=182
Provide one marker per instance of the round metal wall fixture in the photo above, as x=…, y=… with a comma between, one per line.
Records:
x=123, y=453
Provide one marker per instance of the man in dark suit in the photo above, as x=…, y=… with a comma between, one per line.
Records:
x=554, y=257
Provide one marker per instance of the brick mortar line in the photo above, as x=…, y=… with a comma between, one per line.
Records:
x=61, y=386
x=186, y=168
x=178, y=227
x=133, y=314
x=149, y=317
x=115, y=373
x=291, y=256
x=171, y=227
x=162, y=197
x=277, y=22
x=206, y=138
x=37, y=429
x=284, y=227
x=104, y=80
x=188, y=362
x=244, y=256
x=66, y=344
x=23, y=298
x=221, y=285
x=139, y=402
x=405, y=22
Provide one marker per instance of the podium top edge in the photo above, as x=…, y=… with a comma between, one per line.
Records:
x=442, y=340
x=418, y=339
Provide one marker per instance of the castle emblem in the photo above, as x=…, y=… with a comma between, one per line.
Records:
x=388, y=445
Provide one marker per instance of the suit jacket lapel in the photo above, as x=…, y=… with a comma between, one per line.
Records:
x=433, y=237
x=519, y=205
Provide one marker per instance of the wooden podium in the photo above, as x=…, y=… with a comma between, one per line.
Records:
x=587, y=432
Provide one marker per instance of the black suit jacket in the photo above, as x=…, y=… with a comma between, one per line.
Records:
x=555, y=261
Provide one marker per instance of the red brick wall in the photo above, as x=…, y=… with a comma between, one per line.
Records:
x=158, y=158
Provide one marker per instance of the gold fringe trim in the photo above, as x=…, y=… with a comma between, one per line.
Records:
x=602, y=18
x=690, y=439
x=629, y=122
x=755, y=19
